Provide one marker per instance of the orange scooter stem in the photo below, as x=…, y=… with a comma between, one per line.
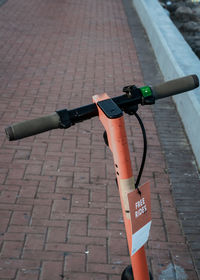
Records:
x=114, y=125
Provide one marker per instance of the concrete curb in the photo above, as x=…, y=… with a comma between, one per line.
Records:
x=2, y=2
x=176, y=59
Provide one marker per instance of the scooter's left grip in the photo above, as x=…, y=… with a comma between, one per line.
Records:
x=32, y=127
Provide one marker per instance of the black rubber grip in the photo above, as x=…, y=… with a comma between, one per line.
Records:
x=176, y=86
x=32, y=127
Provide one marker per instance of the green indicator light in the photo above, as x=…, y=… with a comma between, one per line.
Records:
x=146, y=91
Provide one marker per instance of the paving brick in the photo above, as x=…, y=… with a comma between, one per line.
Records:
x=20, y=218
x=8, y=196
x=87, y=240
x=98, y=195
x=34, y=169
x=98, y=170
x=56, y=234
x=46, y=179
x=75, y=262
x=20, y=264
x=60, y=209
x=63, y=247
x=115, y=215
x=28, y=191
x=99, y=232
x=118, y=246
x=173, y=227
x=64, y=181
x=51, y=270
x=16, y=173
x=78, y=228
x=105, y=268
x=97, y=222
x=26, y=229
x=12, y=236
x=24, y=201
x=97, y=254
x=34, y=241
x=80, y=200
x=41, y=211
x=6, y=273
x=90, y=210
x=11, y=249
x=28, y=274
x=86, y=276
x=82, y=177
x=46, y=188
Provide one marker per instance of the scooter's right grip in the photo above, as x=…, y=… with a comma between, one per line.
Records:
x=176, y=86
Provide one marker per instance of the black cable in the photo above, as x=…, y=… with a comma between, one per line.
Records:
x=144, y=150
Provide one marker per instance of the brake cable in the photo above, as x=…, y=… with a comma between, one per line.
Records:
x=144, y=151
x=147, y=98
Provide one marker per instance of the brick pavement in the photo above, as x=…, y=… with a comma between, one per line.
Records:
x=59, y=206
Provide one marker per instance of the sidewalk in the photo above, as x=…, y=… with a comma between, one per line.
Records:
x=60, y=214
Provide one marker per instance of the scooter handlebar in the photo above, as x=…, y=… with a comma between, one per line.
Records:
x=65, y=118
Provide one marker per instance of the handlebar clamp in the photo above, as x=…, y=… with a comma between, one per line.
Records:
x=131, y=91
x=65, y=121
x=144, y=94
